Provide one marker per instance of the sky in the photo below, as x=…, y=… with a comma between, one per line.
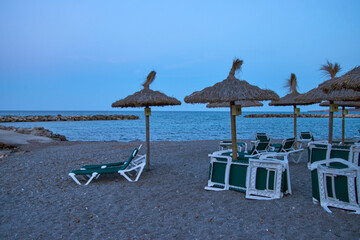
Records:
x=85, y=55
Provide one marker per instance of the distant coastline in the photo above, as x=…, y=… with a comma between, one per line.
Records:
x=299, y=116
x=59, y=117
x=340, y=110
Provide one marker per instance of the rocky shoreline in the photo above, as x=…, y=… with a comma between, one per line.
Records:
x=36, y=131
x=47, y=118
x=306, y=115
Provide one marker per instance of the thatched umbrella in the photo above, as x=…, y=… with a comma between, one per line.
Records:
x=343, y=104
x=146, y=98
x=350, y=80
x=237, y=103
x=231, y=90
x=316, y=95
x=290, y=99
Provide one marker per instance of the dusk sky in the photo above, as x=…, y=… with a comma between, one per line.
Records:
x=85, y=55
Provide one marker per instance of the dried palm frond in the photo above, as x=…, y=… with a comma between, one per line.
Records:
x=330, y=69
x=291, y=84
x=236, y=67
x=149, y=79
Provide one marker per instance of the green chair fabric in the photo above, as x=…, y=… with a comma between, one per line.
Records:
x=131, y=170
x=228, y=174
x=116, y=164
x=267, y=178
x=335, y=186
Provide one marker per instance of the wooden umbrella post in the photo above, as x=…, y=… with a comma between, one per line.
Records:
x=147, y=115
x=233, y=132
x=343, y=125
x=331, y=121
x=295, y=124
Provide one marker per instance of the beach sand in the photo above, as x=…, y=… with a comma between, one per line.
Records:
x=40, y=201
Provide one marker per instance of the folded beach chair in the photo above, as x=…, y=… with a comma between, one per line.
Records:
x=131, y=170
x=228, y=174
x=267, y=178
x=318, y=152
x=116, y=164
x=305, y=138
x=337, y=184
x=355, y=155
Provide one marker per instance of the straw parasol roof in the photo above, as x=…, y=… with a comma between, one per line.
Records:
x=343, y=103
x=291, y=98
x=239, y=103
x=230, y=90
x=147, y=97
x=350, y=80
x=317, y=95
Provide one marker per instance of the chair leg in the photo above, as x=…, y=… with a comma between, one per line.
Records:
x=92, y=177
x=138, y=173
x=72, y=175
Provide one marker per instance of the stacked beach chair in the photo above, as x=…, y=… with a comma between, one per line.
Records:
x=335, y=175
x=261, y=173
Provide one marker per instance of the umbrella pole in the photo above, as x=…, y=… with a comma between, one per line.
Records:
x=331, y=122
x=295, y=124
x=343, y=126
x=233, y=132
x=147, y=166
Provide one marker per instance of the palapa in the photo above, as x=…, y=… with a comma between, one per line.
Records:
x=146, y=98
x=238, y=103
x=342, y=103
x=350, y=80
x=231, y=90
x=317, y=95
x=291, y=99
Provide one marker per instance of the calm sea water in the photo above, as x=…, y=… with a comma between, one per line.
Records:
x=182, y=126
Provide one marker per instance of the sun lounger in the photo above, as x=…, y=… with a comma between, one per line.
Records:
x=305, y=138
x=116, y=164
x=241, y=146
x=258, y=148
x=131, y=170
x=338, y=184
x=287, y=145
x=262, y=137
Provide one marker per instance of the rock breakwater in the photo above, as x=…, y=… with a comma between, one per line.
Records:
x=47, y=118
x=305, y=115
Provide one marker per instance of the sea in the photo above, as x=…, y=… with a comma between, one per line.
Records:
x=183, y=126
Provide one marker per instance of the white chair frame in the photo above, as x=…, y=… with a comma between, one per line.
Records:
x=352, y=172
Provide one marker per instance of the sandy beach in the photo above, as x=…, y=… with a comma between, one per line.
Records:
x=40, y=201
